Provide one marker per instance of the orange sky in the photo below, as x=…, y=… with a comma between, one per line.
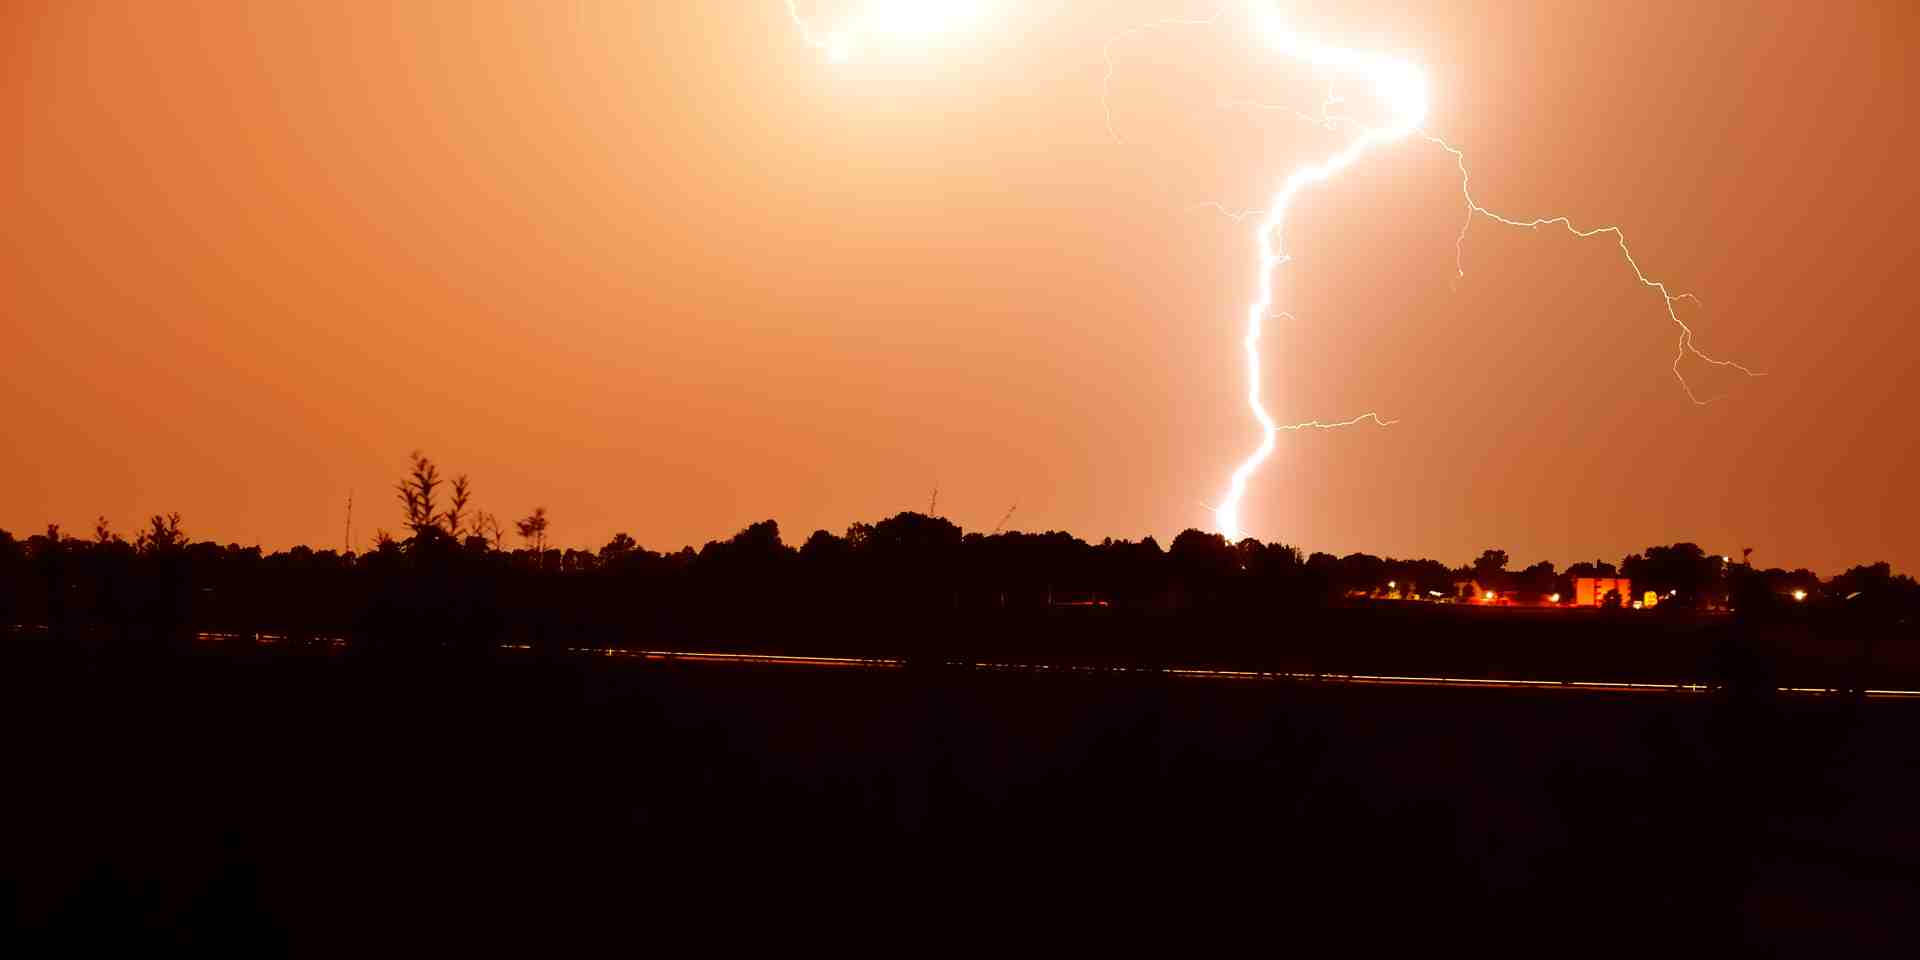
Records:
x=660, y=269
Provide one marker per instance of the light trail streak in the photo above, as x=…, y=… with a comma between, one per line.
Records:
x=1399, y=85
x=1204, y=673
x=1196, y=673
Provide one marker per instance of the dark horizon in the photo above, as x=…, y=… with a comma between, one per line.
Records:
x=447, y=578
x=377, y=521
x=1609, y=565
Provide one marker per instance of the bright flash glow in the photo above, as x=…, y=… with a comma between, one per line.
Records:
x=891, y=25
x=1399, y=86
x=1488, y=597
x=1799, y=595
x=1554, y=599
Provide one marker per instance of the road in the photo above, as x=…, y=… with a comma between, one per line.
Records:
x=1184, y=673
x=1193, y=673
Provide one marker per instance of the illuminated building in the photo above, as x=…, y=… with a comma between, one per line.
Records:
x=1592, y=591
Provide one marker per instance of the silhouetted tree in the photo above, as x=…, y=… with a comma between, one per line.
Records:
x=49, y=553
x=417, y=495
x=11, y=561
x=435, y=533
x=1132, y=572
x=1682, y=570
x=1489, y=568
x=487, y=527
x=162, y=548
x=1421, y=577
x=909, y=579
x=1536, y=581
x=163, y=533
x=618, y=547
x=1202, y=556
x=1872, y=577
x=1362, y=573
x=1323, y=574
x=821, y=546
x=907, y=561
x=456, y=514
x=533, y=529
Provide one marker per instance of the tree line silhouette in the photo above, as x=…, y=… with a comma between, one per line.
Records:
x=448, y=581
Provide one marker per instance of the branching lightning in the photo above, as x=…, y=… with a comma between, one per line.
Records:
x=1237, y=216
x=1684, y=348
x=1398, y=85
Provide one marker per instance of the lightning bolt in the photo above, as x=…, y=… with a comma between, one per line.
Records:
x=1403, y=88
x=1682, y=350
x=1399, y=85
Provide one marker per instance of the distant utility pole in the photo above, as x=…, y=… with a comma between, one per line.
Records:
x=933, y=502
x=346, y=545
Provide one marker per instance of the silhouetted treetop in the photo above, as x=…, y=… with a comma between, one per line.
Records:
x=434, y=584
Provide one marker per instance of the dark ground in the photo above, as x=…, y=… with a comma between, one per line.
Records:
x=336, y=804
x=1397, y=638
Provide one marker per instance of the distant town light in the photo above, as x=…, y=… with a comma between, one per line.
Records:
x=1799, y=595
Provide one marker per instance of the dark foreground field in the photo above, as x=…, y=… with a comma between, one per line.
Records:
x=359, y=805
x=1423, y=639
